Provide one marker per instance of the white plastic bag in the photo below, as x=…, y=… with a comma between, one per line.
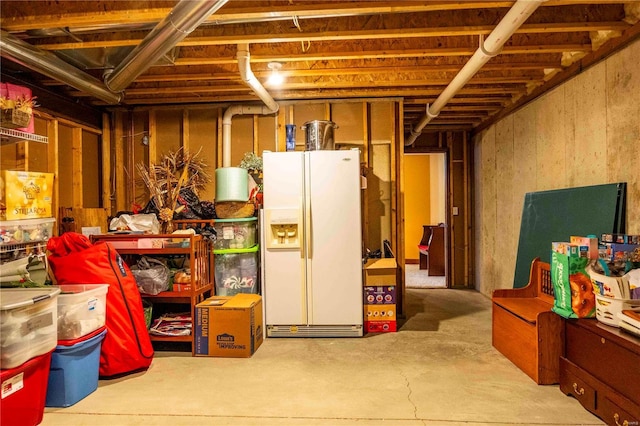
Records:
x=147, y=223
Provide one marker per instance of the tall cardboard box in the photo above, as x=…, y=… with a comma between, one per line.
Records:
x=228, y=327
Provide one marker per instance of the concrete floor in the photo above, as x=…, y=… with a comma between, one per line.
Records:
x=438, y=369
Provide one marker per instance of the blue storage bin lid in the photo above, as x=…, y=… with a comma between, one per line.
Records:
x=82, y=342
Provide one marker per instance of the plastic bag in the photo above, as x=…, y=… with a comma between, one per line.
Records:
x=137, y=223
x=152, y=276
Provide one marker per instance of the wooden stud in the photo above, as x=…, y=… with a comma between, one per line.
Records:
x=76, y=173
x=52, y=165
x=106, y=162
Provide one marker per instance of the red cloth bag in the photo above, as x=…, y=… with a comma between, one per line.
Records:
x=126, y=348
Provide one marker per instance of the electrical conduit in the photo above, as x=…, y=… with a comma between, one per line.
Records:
x=515, y=17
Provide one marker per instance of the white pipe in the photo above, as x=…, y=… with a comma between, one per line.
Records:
x=515, y=17
x=270, y=105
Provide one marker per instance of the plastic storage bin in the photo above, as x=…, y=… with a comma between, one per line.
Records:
x=26, y=230
x=24, y=389
x=28, y=324
x=236, y=271
x=82, y=309
x=74, y=370
x=235, y=233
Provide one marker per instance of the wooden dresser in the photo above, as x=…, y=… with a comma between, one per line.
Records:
x=601, y=369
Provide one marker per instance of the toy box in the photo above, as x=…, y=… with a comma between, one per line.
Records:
x=26, y=230
x=28, y=324
x=24, y=389
x=74, y=370
x=82, y=309
x=235, y=233
x=26, y=195
x=228, y=326
x=236, y=271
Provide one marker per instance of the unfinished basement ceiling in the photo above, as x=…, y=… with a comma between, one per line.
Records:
x=329, y=50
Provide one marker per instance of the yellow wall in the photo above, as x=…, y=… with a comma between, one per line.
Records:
x=417, y=205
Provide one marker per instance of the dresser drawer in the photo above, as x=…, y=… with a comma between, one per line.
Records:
x=603, y=359
x=613, y=414
x=572, y=382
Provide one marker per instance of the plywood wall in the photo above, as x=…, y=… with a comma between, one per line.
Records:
x=585, y=132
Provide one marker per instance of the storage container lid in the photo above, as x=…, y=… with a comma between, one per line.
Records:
x=12, y=298
x=26, y=222
x=240, y=219
x=242, y=250
x=91, y=337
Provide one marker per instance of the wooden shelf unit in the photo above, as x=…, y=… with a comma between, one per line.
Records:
x=195, y=247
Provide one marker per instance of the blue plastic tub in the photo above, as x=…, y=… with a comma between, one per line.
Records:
x=74, y=371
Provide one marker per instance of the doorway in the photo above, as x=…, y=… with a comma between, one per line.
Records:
x=425, y=208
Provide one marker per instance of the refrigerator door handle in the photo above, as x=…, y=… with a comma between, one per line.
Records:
x=309, y=233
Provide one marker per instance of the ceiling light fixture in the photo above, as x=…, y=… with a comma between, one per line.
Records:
x=275, y=78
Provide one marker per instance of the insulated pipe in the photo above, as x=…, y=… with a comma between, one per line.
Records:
x=185, y=17
x=515, y=17
x=47, y=63
x=270, y=105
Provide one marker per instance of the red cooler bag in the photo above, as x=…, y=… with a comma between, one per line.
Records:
x=73, y=259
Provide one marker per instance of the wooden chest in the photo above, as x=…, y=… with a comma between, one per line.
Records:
x=601, y=369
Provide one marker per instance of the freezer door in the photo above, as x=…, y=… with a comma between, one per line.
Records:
x=334, y=236
x=284, y=289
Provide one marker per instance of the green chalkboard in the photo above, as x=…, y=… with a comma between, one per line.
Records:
x=555, y=215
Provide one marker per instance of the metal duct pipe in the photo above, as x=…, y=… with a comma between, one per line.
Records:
x=50, y=65
x=515, y=17
x=270, y=106
x=183, y=19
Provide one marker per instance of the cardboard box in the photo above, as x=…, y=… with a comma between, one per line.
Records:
x=379, y=312
x=380, y=272
x=380, y=326
x=229, y=326
x=380, y=295
x=26, y=195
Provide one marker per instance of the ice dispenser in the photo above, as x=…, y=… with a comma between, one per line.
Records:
x=283, y=228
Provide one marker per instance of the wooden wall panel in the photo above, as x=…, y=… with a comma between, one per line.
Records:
x=91, y=177
x=350, y=120
x=65, y=165
x=241, y=137
x=203, y=139
x=168, y=132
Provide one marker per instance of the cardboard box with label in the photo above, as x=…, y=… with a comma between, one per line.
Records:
x=228, y=326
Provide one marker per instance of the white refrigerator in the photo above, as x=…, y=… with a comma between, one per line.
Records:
x=312, y=244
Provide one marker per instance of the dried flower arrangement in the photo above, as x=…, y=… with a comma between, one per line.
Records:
x=17, y=112
x=176, y=171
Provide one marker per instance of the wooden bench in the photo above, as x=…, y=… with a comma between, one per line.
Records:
x=431, y=249
x=525, y=330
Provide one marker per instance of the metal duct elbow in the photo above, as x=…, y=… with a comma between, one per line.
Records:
x=48, y=64
x=185, y=17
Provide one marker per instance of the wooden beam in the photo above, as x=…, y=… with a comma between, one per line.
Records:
x=106, y=162
x=76, y=173
x=346, y=35
x=53, y=166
